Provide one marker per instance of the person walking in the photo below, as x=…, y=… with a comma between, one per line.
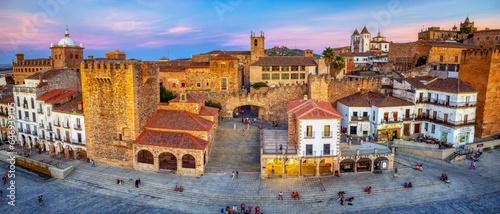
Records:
x=40, y=200
x=342, y=200
x=4, y=179
x=272, y=170
x=232, y=176
x=237, y=174
x=471, y=166
x=280, y=195
x=243, y=132
x=93, y=163
x=136, y=183
x=1, y=194
x=474, y=164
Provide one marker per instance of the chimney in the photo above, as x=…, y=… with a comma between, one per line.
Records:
x=362, y=91
x=305, y=97
x=91, y=57
x=80, y=106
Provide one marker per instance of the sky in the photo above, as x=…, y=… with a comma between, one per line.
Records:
x=150, y=30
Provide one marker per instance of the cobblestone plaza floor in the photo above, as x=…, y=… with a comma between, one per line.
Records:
x=94, y=190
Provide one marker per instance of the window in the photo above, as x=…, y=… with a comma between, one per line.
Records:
x=295, y=68
x=355, y=113
x=255, y=42
x=276, y=68
x=433, y=130
x=198, y=85
x=285, y=76
x=326, y=131
x=173, y=85
x=426, y=126
x=309, y=149
x=214, y=65
x=302, y=76
x=441, y=58
x=266, y=68
x=183, y=85
x=365, y=132
x=395, y=115
x=20, y=115
x=487, y=38
x=231, y=65
x=285, y=68
x=456, y=58
x=76, y=56
x=365, y=114
x=309, y=131
x=326, y=149
x=18, y=102
x=32, y=103
x=34, y=118
x=223, y=83
x=429, y=96
x=373, y=115
x=79, y=137
x=276, y=76
x=302, y=68
x=295, y=76
x=496, y=38
x=447, y=100
x=222, y=65
x=265, y=76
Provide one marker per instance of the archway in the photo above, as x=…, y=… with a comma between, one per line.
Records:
x=309, y=167
x=68, y=151
x=81, y=154
x=347, y=165
x=249, y=111
x=60, y=149
x=188, y=161
x=292, y=167
x=276, y=165
x=145, y=156
x=381, y=163
x=364, y=164
x=23, y=140
x=325, y=166
x=168, y=161
x=52, y=149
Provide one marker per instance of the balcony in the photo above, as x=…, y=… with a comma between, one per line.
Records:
x=41, y=125
x=40, y=111
x=327, y=134
x=50, y=128
x=450, y=104
x=408, y=117
x=19, y=130
x=58, y=137
x=27, y=118
x=57, y=124
x=309, y=136
x=78, y=142
x=441, y=121
x=78, y=126
x=391, y=120
x=66, y=125
x=360, y=118
x=66, y=139
x=305, y=153
x=34, y=133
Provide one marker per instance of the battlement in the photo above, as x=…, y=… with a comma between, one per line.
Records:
x=104, y=64
x=33, y=62
x=487, y=53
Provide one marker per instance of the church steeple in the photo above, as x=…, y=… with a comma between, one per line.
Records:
x=67, y=33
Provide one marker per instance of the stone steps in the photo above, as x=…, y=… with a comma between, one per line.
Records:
x=232, y=135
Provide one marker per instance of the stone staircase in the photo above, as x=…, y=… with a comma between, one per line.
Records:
x=451, y=157
x=232, y=151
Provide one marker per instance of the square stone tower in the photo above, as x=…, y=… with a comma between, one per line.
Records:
x=257, y=46
x=119, y=97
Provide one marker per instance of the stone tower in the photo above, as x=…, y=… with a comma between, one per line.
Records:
x=365, y=40
x=119, y=97
x=257, y=46
x=355, y=41
x=66, y=50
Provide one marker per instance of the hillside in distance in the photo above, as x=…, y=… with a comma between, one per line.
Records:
x=284, y=51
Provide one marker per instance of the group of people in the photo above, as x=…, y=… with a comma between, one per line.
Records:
x=248, y=120
x=368, y=190
x=243, y=210
x=295, y=195
x=443, y=177
x=408, y=185
x=275, y=124
x=40, y=200
x=118, y=181
x=341, y=198
x=235, y=175
x=419, y=166
x=180, y=189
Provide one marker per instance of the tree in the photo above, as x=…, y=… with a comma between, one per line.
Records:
x=328, y=54
x=165, y=95
x=213, y=104
x=338, y=64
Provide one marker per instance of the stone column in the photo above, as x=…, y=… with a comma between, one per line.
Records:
x=179, y=165
x=361, y=142
x=371, y=164
x=234, y=125
x=156, y=163
x=317, y=167
x=300, y=167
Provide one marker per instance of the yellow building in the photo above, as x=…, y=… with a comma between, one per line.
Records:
x=279, y=70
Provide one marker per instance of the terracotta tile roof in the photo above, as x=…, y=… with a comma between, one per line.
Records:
x=341, y=48
x=448, y=44
x=61, y=96
x=176, y=119
x=51, y=94
x=190, y=98
x=311, y=109
x=70, y=106
x=45, y=75
x=285, y=61
x=377, y=99
x=199, y=65
x=365, y=30
x=42, y=84
x=225, y=56
x=6, y=99
x=6, y=87
x=208, y=111
x=450, y=85
x=171, y=139
x=172, y=68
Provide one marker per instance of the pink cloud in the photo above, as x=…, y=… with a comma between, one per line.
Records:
x=179, y=30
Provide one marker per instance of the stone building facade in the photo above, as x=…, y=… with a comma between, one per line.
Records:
x=26, y=67
x=481, y=70
x=7, y=107
x=116, y=55
x=487, y=39
x=119, y=97
x=436, y=33
x=278, y=70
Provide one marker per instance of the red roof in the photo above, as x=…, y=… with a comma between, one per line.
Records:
x=51, y=94
x=171, y=139
x=225, y=56
x=310, y=109
x=208, y=111
x=6, y=99
x=376, y=99
x=181, y=120
x=190, y=98
x=62, y=96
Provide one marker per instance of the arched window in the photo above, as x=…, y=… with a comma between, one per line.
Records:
x=231, y=65
x=223, y=65
x=255, y=42
x=76, y=56
x=215, y=65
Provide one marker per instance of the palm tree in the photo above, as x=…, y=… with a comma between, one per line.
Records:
x=338, y=64
x=328, y=54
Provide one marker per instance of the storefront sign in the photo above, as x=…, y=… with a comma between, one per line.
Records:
x=384, y=164
x=445, y=129
x=465, y=130
x=480, y=145
x=390, y=126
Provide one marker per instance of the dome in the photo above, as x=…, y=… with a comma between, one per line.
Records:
x=66, y=41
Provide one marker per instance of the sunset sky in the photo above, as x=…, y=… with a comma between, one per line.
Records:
x=150, y=30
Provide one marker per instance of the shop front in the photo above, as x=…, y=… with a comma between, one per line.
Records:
x=363, y=165
x=388, y=132
x=347, y=166
x=380, y=163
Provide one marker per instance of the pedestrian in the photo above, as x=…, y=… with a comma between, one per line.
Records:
x=93, y=163
x=342, y=200
x=471, y=167
x=117, y=181
x=474, y=164
x=232, y=175
x=136, y=183
x=4, y=179
x=222, y=211
x=250, y=208
x=280, y=195
x=254, y=120
x=273, y=124
x=242, y=206
x=235, y=209
x=243, y=132
x=236, y=114
x=237, y=174
x=40, y=200
x=257, y=210
x=281, y=147
x=1, y=194
x=272, y=170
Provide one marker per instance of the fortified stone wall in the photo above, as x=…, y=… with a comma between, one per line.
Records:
x=481, y=70
x=68, y=79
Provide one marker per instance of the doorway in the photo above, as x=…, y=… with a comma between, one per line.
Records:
x=416, y=129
